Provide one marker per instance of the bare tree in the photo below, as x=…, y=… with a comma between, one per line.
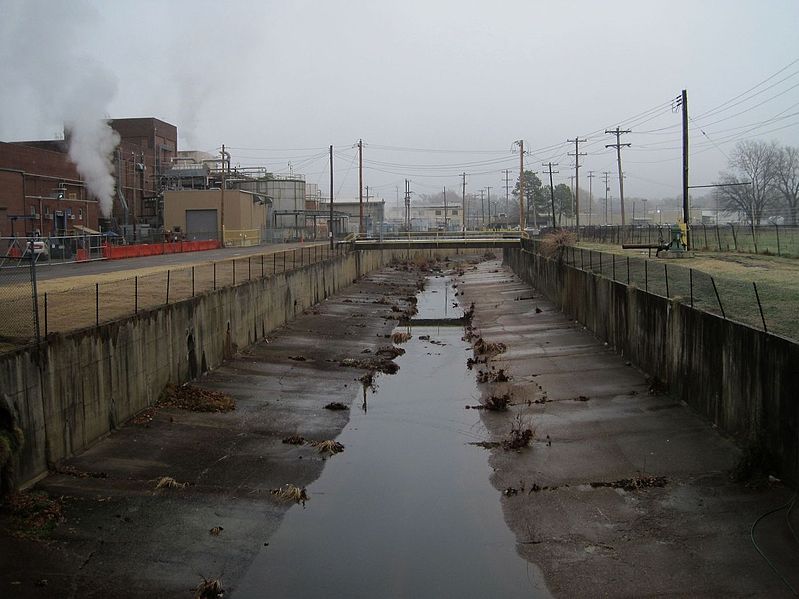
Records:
x=755, y=162
x=787, y=180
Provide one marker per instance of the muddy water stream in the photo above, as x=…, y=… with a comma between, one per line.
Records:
x=407, y=510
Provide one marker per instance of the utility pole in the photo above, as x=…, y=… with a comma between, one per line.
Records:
x=222, y=197
x=590, y=195
x=482, y=208
x=618, y=145
x=407, y=205
x=552, y=189
x=463, y=212
x=577, y=141
x=446, y=228
x=332, y=240
x=507, y=193
x=488, y=193
x=607, y=189
x=686, y=209
x=360, y=186
x=522, y=199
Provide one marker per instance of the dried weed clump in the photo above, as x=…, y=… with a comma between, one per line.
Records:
x=400, y=336
x=167, y=482
x=209, y=588
x=521, y=434
x=196, y=399
x=290, y=492
x=553, y=245
x=329, y=447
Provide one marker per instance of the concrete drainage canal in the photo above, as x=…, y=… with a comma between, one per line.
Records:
x=407, y=510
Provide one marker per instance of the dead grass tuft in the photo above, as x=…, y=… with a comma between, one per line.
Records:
x=553, y=245
x=167, y=482
x=400, y=336
x=521, y=434
x=330, y=447
x=290, y=492
x=195, y=399
x=209, y=588
x=294, y=440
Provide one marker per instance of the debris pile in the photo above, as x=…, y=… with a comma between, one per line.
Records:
x=195, y=399
x=336, y=406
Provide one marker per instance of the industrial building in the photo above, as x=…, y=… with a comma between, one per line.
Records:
x=41, y=191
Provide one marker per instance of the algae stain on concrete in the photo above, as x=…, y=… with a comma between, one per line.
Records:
x=407, y=510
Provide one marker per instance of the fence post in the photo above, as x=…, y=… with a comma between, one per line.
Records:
x=646, y=275
x=249, y=268
x=777, y=229
x=136, y=294
x=718, y=236
x=214, y=276
x=274, y=262
x=600, y=262
x=734, y=236
x=293, y=259
x=582, y=260
x=704, y=230
x=262, y=266
x=691, y=282
x=167, y=286
x=34, y=293
x=234, y=271
x=590, y=261
x=628, y=270
x=45, y=315
x=718, y=299
x=760, y=307
x=754, y=235
x=97, y=304
x=613, y=260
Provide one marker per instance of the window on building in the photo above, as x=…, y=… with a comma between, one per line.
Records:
x=80, y=213
x=454, y=213
x=47, y=210
x=438, y=212
x=33, y=210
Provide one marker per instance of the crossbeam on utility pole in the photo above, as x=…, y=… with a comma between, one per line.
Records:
x=552, y=189
x=577, y=141
x=618, y=145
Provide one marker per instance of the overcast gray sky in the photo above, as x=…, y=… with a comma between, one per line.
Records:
x=280, y=81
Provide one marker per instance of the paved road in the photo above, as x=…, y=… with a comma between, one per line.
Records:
x=78, y=269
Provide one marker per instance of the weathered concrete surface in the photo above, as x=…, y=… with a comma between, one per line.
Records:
x=689, y=538
x=122, y=538
x=743, y=380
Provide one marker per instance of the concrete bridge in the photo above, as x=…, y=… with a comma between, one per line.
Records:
x=441, y=240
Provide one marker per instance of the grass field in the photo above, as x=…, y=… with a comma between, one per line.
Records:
x=76, y=302
x=777, y=280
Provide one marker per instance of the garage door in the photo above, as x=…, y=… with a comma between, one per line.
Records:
x=201, y=224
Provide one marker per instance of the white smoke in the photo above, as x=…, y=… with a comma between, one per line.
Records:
x=55, y=86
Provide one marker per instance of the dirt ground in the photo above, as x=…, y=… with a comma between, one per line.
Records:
x=624, y=492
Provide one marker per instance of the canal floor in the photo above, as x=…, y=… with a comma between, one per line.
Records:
x=407, y=510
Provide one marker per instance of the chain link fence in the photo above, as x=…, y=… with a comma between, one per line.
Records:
x=766, y=306
x=770, y=240
x=85, y=306
x=19, y=319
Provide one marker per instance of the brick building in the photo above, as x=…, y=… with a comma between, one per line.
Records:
x=41, y=190
x=143, y=156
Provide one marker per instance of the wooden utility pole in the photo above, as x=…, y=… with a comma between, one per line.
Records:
x=488, y=200
x=482, y=208
x=618, y=145
x=686, y=209
x=577, y=141
x=607, y=189
x=407, y=205
x=360, y=187
x=332, y=240
x=463, y=211
x=446, y=228
x=521, y=187
x=507, y=194
x=590, y=195
x=552, y=189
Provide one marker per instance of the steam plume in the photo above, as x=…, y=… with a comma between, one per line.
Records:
x=55, y=85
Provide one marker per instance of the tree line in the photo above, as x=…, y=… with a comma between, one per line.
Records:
x=762, y=182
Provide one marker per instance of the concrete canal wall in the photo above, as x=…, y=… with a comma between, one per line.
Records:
x=78, y=386
x=742, y=379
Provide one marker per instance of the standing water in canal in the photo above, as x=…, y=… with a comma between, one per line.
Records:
x=407, y=510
